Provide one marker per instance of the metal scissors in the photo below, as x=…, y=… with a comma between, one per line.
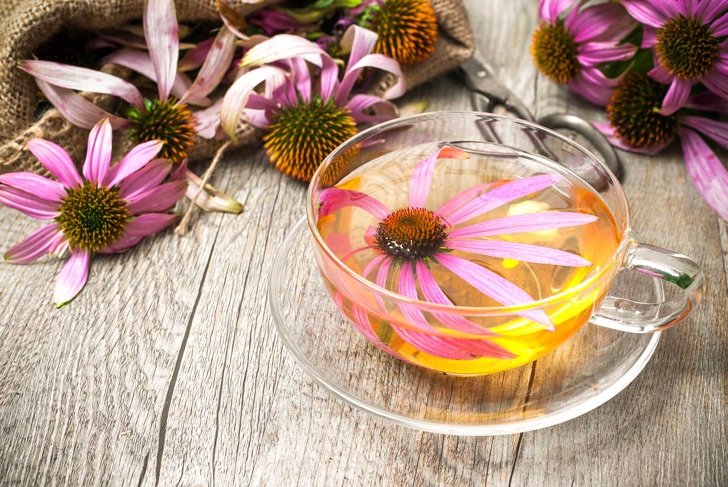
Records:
x=488, y=93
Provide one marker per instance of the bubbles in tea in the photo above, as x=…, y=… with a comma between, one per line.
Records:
x=468, y=227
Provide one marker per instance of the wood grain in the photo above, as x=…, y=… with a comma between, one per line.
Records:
x=167, y=371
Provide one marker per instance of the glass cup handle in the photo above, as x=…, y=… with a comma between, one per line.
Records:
x=624, y=314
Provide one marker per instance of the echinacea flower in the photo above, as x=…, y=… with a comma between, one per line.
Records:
x=303, y=121
x=637, y=125
x=568, y=48
x=409, y=242
x=108, y=209
x=180, y=112
x=689, y=42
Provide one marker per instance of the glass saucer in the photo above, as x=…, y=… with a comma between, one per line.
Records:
x=588, y=370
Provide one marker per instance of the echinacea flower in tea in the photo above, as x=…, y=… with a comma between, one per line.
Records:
x=689, y=41
x=107, y=209
x=570, y=45
x=304, y=118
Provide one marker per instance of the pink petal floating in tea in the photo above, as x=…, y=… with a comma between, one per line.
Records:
x=406, y=287
x=461, y=198
x=422, y=175
x=531, y=222
x=501, y=195
x=494, y=286
x=518, y=251
x=373, y=264
x=333, y=199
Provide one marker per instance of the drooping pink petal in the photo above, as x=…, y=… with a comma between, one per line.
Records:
x=157, y=199
x=645, y=12
x=282, y=46
x=28, y=203
x=676, y=96
x=361, y=320
x=194, y=57
x=237, y=95
x=709, y=175
x=551, y=10
x=57, y=161
x=329, y=78
x=518, y=251
x=716, y=130
x=596, y=53
x=133, y=161
x=595, y=22
x=36, y=185
x=72, y=278
x=145, y=178
x=83, y=79
x=35, y=245
x=461, y=198
x=98, y=153
x=708, y=101
x=257, y=118
x=494, y=286
x=499, y=196
x=148, y=224
x=383, y=110
x=660, y=74
x=333, y=199
x=141, y=62
x=422, y=175
x=121, y=245
x=649, y=37
x=216, y=65
x=716, y=82
x=77, y=109
x=532, y=222
x=596, y=93
x=207, y=121
x=608, y=131
x=162, y=35
x=377, y=61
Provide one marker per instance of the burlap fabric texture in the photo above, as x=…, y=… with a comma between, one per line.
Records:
x=29, y=24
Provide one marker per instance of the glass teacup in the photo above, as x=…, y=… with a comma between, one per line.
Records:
x=472, y=243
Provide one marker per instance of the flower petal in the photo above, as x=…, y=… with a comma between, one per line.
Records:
x=133, y=161
x=719, y=27
x=148, y=224
x=494, y=286
x=282, y=46
x=357, y=42
x=35, y=245
x=708, y=101
x=717, y=82
x=56, y=160
x=593, y=86
x=36, y=185
x=608, y=131
x=216, y=65
x=660, y=74
x=98, y=153
x=716, y=130
x=645, y=12
x=550, y=10
x=676, y=96
x=207, y=121
x=157, y=199
x=140, y=62
x=596, y=53
x=378, y=61
x=329, y=78
x=28, y=203
x=162, y=35
x=333, y=199
x=532, y=222
x=598, y=22
x=83, y=79
x=461, y=198
x=72, y=278
x=709, y=176
x=382, y=109
x=77, y=109
x=121, y=245
x=501, y=195
x=519, y=251
x=145, y=178
x=422, y=174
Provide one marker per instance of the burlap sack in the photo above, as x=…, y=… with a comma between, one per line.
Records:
x=30, y=23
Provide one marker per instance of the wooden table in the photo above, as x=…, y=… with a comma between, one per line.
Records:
x=167, y=370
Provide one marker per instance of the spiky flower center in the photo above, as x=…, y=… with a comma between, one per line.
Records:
x=167, y=121
x=407, y=29
x=554, y=52
x=411, y=234
x=633, y=111
x=300, y=137
x=93, y=217
x=686, y=48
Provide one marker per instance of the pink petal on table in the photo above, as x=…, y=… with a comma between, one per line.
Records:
x=161, y=32
x=500, y=196
x=98, y=153
x=121, y=245
x=645, y=12
x=141, y=62
x=494, y=286
x=531, y=222
x=461, y=198
x=716, y=130
x=77, y=109
x=28, y=203
x=422, y=174
x=676, y=96
x=145, y=178
x=148, y=224
x=333, y=199
x=138, y=157
x=35, y=245
x=157, y=199
x=377, y=61
x=709, y=175
x=72, y=278
x=83, y=79
x=518, y=251
x=35, y=184
x=57, y=161
x=215, y=66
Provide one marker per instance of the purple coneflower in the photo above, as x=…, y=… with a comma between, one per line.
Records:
x=410, y=240
x=303, y=122
x=568, y=49
x=170, y=117
x=688, y=38
x=108, y=209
